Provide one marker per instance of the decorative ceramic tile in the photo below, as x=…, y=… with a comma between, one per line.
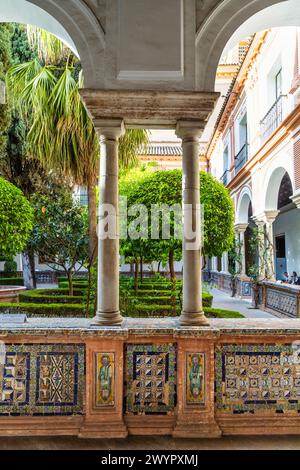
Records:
x=42, y=379
x=281, y=301
x=260, y=377
x=105, y=379
x=150, y=378
x=195, y=378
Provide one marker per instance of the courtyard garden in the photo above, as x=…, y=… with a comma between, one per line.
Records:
x=48, y=147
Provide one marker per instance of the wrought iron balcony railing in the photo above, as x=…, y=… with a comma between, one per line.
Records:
x=241, y=158
x=225, y=178
x=273, y=118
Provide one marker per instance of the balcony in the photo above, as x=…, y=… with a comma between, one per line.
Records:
x=273, y=118
x=241, y=158
x=225, y=178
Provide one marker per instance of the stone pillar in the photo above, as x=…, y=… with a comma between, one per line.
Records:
x=225, y=263
x=192, y=313
x=260, y=223
x=240, y=230
x=270, y=217
x=108, y=247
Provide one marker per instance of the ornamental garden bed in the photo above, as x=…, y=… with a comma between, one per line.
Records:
x=153, y=298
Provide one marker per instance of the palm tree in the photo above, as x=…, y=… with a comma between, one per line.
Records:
x=62, y=134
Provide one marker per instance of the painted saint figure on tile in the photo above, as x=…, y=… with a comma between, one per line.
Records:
x=105, y=370
x=195, y=378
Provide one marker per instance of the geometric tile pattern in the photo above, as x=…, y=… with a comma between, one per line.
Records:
x=258, y=378
x=282, y=302
x=42, y=379
x=150, y=385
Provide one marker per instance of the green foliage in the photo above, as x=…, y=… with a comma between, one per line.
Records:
x=40, y=310
x=221, y=313
x=16, y=219
x=22, y=51
x=40, y=296
x=5, y=63
x=11, y=281
x=10, y=266
x=165, y=188
x=60, y=234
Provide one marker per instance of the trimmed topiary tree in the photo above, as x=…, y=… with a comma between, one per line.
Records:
x=16, y=219
x=165, y=188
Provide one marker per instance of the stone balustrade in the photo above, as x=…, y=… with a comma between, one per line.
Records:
x=150, y=376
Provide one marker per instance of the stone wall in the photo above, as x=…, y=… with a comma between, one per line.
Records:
x=150, y=377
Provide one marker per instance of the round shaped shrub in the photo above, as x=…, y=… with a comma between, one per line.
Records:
x=16, y=219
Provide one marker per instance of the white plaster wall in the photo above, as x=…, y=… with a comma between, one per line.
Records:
x=289, y=224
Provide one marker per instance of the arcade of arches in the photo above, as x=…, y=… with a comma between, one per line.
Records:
x=153, y=65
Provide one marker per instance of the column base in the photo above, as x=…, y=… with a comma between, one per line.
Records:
x=107, y=319
x=193, y=319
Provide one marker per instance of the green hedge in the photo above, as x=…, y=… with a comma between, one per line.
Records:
x=144, y=311
x=76, y=284
x=40, y=296
x=64, y=292
x=11, y=281
x=221, y=313
x=166, y=299
x=47, y=310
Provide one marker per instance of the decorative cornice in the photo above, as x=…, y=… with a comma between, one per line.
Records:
x=149, y=109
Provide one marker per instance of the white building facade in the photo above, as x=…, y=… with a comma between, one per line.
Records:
x=255, y=152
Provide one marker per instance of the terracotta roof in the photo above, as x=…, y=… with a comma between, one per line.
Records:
x=162, y=150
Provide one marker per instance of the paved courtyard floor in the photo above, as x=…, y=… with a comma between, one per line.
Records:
x=152, y=443
x=224, y=300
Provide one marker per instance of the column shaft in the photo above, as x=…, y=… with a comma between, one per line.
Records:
x=108, y=243
x=192, y=312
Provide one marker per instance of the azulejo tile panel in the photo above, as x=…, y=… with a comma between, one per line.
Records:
x=195, y=378
x=105, y=379
x=282, y=302
x=42, y=379
x=150, y=384
x=258, y=378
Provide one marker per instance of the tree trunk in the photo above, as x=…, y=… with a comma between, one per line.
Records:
x=70, y=282
x=136, y=274
x=92, y=210
x=141, y=268
x=158, y=267
x=171, y=265
x=27, y=275
x=32, y=268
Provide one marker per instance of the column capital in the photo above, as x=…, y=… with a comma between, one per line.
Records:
x=241, y=228
x=189, y=129
x=266, y=217
x=296, y=198
x=110, y=128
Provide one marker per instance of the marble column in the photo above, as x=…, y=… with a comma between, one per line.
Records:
x=270, y=216
x=225, y=262
x=108, y=235
x=240, y=231
x=192, y=312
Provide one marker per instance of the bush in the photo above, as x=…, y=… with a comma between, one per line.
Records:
x=41, y=296
x=144, y=311
x=220, y=313
x=10, y=266
x=63, y=292
x=11, y=281
x=79, y=284
x=41, y=310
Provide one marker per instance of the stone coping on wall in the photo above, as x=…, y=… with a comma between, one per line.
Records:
x=150, y=327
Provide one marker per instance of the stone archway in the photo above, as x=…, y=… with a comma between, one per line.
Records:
x=273, y=188
x=73, y=23
x=232, y=21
